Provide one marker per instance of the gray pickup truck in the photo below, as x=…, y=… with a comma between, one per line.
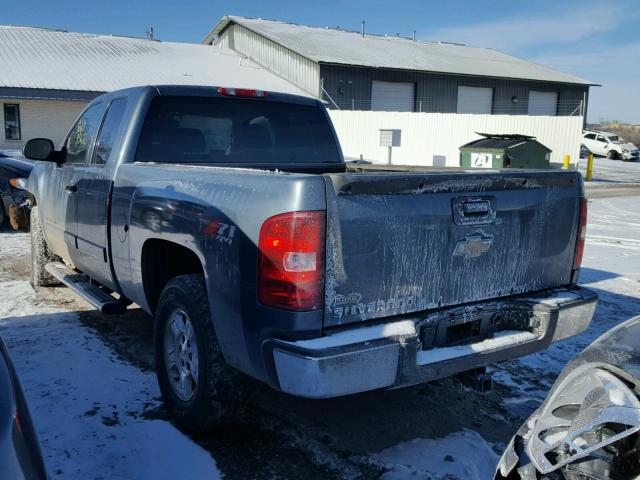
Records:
x=231, y=216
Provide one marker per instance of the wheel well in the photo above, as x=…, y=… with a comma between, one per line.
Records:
x=161, y=261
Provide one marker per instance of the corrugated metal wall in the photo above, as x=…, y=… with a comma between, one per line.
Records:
x=350, y=88
x=434, y=138
x=293, y=67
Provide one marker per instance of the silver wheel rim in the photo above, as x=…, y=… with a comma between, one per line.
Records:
x=181, y=355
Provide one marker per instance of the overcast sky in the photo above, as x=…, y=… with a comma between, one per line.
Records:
x=596, y=40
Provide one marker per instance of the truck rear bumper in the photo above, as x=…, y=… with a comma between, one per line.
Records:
x=392, y=355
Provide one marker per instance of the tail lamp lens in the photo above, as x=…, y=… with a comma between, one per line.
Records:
x=242, y=92
x=291, y=261
x=582, y=233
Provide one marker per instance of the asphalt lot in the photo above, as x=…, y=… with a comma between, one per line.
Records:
x=90, y=384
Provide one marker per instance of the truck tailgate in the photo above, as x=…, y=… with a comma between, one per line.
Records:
x=405, y=242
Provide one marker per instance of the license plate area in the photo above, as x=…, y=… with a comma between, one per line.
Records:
x=463, y=332
x=463, y=326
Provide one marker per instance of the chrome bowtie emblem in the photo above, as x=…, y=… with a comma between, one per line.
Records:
x=473, y=246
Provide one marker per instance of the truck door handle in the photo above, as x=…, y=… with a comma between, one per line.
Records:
x=476, y=209
x=71, y=188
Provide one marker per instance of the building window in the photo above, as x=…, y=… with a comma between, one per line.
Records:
x=12, y=121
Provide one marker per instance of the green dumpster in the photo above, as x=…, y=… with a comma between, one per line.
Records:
x=504, y=151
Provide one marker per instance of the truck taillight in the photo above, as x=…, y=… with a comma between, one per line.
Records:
x=291, y=261
x=582, y=233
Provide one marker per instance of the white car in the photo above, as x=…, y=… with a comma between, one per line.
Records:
x=609, y=145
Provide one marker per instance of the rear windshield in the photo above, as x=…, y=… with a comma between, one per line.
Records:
x=235, y=130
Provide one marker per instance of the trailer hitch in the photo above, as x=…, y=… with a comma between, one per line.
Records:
x=478, y=379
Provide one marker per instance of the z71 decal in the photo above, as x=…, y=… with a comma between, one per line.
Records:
x=223, y=232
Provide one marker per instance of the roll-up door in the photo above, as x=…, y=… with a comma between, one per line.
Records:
x=475, y=100
x=392, y=96
x=543, y=103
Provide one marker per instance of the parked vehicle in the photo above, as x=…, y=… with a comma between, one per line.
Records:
x=13, y=199
x=609, y=145
x=20, y=456
x=230, y=215
x=589, y=425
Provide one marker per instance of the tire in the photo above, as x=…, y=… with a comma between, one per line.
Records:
x=584, y=151
x=40, y=254
x=3, y=214
x=612, y=155
x=216, y=393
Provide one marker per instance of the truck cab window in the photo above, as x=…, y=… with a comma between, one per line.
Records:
x=80, y=139
x=108, y=132
x=235, y=130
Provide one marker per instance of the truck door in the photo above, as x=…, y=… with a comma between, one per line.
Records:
x=59, y=202
x=93, y=197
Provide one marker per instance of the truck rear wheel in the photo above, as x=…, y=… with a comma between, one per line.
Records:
x=198, y=387
x=40, y=254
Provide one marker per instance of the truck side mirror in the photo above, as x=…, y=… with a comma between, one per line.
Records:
x=41, y=149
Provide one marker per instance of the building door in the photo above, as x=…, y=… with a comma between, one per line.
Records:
x=392, y=96
x=475, y=100
x=543, y=103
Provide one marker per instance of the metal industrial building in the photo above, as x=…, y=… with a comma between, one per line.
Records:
x=48, y=76
x=359, y=71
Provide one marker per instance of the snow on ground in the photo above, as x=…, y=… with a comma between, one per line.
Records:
x=463, y=455
x=605, y=170
x=85, y=402
x=13, y=244
x=94, y=408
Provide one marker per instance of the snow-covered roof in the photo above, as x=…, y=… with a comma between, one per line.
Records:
x=58, y=60
x=331, y=45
